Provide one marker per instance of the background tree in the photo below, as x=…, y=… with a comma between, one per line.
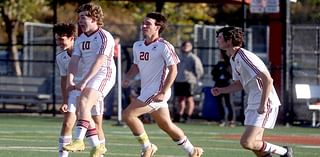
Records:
x=13, y=13
x=305, y=12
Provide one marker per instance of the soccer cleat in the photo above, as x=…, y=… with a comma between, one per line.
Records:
x=289, y=152
x=150, y=151
x=98, y=151
x=76, y=145
x=222, y=124
x=197, y=152
x=103, y=148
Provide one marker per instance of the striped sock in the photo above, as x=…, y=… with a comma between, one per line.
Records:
x=271, y=148
x=186, y=145
x=92, y=136
x=81, y=129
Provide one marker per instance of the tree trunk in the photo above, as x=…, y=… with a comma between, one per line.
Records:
x=11, y=29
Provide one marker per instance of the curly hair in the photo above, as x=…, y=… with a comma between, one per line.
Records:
x=160, y=20
x=65, y=29
x=234, y=34
x=94, y=11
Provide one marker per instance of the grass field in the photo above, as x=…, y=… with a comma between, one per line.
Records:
x=36, y=136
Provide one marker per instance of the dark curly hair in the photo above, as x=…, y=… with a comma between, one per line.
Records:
x=94, y=11
x=234, y=34
x=161, y=20
x=65, y=29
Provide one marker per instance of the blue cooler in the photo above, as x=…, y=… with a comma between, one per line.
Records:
x=209, y=108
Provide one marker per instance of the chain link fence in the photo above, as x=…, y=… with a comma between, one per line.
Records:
x=304, y=65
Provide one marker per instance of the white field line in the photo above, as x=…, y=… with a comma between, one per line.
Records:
x=127, y=135
x=54, y=149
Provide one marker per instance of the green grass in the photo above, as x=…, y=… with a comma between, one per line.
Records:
x=36, y=136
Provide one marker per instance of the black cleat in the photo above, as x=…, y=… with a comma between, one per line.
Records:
x=289, y=152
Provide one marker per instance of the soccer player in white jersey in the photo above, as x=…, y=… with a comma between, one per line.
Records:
x=95, y=49
x=156, y=61
x=65, y=36
x=250, y=74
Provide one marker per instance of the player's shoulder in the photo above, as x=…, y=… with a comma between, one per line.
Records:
x=81, y=36
x=164, y=42
x=244, y=53
x=61, y=54
x=138, y=43
x=161, y=40
x=104, y=33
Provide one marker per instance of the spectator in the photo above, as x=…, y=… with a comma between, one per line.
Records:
x=221, y=75
x=190, y=71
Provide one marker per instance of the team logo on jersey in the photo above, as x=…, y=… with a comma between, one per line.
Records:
x=154, y=47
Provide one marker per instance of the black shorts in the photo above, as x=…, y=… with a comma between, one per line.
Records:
x=183, y=89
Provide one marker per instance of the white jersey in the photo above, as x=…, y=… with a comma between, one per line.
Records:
x=63, y=60
x=245, y=67
x=152, y=61
x=87, y=47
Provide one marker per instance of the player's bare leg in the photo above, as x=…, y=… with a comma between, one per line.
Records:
x=85, y=124
x=66, y=132
x=130, y=116
x=98, y=122
x=162, y=117
x=181, y=108
x=251, y=139
x=190, y=108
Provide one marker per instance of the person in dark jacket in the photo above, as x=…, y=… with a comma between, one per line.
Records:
x=221, y=75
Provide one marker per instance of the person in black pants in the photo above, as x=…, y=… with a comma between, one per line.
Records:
x=221, y=75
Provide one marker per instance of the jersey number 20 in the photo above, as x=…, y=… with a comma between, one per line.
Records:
x=144, y=56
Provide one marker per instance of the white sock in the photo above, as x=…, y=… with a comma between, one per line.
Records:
x=186, y=145
x=81, y=129
x=103, y=141
x=271, y=148
x=63, y=153
x=93, y=137
x=64, y=140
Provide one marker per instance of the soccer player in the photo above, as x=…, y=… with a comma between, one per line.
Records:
x=250, y=73
x=156, y=62
x=94, y=49
x=65, y=36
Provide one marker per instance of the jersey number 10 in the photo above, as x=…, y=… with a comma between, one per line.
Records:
x=86, y=45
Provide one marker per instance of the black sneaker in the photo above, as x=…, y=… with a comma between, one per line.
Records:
x=176, y=118
x=289, y=152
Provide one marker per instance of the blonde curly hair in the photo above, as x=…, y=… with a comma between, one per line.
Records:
x=94, y=11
